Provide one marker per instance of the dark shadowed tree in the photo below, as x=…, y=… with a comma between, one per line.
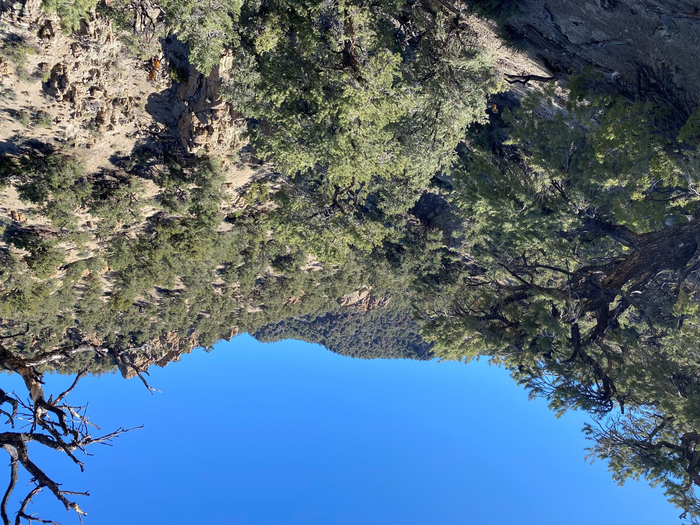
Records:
x=585, y=230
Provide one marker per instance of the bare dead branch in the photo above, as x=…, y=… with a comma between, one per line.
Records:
x=145, y=383
x=22, y=514
x=62, y=395
x=120, y=360
x=10, y=487
x=524, y=79
x=62, y=353
x=5, y=398
x=43, y=480
x=54, y=423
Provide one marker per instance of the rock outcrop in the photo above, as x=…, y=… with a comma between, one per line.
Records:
x=649, y=45
x=209, y=124
x=363, y=300
x=160, y=352
x=87, y=88
x=103, y=94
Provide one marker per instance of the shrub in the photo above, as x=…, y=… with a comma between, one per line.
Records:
x=71, y=12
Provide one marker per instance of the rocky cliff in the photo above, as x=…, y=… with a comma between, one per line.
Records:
x=649, y=46
x=91, y=91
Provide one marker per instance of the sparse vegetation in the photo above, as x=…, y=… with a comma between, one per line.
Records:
x=42, y=119
x=7, y=93
x=23, y=118
x=15, y=48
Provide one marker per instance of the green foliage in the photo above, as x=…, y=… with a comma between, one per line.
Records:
x=70, y=12
x=42, y=119
x=583, y=226
x=690, y=133
x=23, y=118
x=358, y=113
x=180, y=270
x=207, y=28
x=15, y=48
x=44, y=258
x=612, y=158
x=385, y=333
x=577, y=268
x=17, y=292
x=55, y=183
x=341, y=99
x=590, y=181
x=257, y=194
x=139, y=34
x=115, y=201
x=659, y=448
x=39, y=119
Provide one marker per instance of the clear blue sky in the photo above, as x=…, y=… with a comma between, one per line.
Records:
x=289, y=433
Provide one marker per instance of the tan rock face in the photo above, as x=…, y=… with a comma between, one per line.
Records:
x=362, y=299
x=102, y=99
x=5, y=67
x=88, y=80
x=89, y=89
x=161, y=352
x=209, y=124
x=32, y=12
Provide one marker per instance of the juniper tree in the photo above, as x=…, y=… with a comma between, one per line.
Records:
x=584, y=234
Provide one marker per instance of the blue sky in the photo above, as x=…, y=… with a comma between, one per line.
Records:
x=289, y=433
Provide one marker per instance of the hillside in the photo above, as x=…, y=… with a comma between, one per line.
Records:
x=385, y=333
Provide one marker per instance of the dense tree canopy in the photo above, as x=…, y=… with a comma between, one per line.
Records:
x=584, y=226
x=359, y=103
